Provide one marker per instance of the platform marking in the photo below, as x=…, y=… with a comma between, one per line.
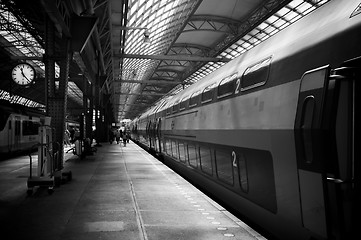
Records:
x=140, y=222
x=221, y=209
x=228, y=235
x=221, y=228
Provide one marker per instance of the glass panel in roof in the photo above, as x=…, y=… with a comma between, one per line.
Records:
x=20, y=100
x=295, y=3
x=159, y=17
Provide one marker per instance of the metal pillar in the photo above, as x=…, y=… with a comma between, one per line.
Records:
x=56, y=99
x=88, y=108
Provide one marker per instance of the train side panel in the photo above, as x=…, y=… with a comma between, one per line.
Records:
x=20, y=133
x=280, y=152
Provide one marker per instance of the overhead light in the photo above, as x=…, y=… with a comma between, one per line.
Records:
x=146, y=36
x=146, y=32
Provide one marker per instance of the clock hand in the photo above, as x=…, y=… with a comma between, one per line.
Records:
x=22, y=73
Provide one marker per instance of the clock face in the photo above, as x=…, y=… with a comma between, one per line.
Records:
x=23, y=74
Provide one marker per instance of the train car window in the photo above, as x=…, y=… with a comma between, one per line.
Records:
x=256, y=75
x=175, y=108
x=193, y=100
x=207, y=94
x=168, y=147
x=175, y=153
x=30, y=128
x=192, y=155
x=205, y=156
x=183, y=103
x=17, y=127
x=242, y=173
x=260, y=178
x=224, y=166
x=226, y=86
x=182, y=151
x=169, y=111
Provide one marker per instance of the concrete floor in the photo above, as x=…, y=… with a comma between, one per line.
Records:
x=118, y=193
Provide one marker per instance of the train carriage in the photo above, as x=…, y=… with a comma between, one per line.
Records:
x=18, y=128
x=273, y=133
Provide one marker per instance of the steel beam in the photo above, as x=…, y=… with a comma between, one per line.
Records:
x=133, y=104
x=142, y=94
x=149, y=82
x=189, y=58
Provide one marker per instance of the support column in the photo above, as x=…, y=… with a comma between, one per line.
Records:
x=88, y=112
x=56, y=98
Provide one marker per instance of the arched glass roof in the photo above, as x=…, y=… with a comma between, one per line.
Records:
x=162, y=20
x=289, y=14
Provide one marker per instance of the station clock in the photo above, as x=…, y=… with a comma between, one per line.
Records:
x=23, y=74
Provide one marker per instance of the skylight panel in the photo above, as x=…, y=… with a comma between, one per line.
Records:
x=20, y=100
x=295, y=3
x=149, y=4
x=272, y=19
x=291, y=15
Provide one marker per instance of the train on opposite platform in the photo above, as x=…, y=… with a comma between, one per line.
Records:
x=19, y=127
x=273, y=134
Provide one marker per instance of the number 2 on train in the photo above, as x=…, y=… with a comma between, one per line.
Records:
x=234, y=157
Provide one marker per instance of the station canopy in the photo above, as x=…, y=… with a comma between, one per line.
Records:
x=146, y=50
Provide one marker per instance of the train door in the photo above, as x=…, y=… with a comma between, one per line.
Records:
x=325, y=146
x=158, y=132
x=149, y=134
x=15, y=134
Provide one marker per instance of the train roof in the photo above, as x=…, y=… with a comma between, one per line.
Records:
x=300, y=36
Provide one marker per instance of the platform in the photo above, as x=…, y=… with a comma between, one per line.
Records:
x=118, y=193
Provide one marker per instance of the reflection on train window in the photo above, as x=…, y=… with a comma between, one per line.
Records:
x=192, y=155
x=243, y=176
x=194, y=99
x=205, y=156
x=207, y=94
x=224, y=166
x=175, y=150
x=256, y=75
x=182, y=151
x=167, y=147
x=226, y=86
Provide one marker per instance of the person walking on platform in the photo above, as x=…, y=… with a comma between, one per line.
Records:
x=117, y=135
x=124, y=136
x=128, y=136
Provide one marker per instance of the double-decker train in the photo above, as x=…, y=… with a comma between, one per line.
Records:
x=274, y=133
